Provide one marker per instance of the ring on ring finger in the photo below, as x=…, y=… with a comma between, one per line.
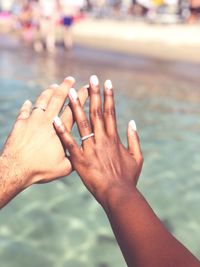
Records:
x=87, y=137
x=41, y=108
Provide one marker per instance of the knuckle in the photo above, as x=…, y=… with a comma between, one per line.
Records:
x=84, y=124
x=109, y=112
x=95, y=90
x=116, y=140
x=70, y=145
x=141, y=160
x=96, y=113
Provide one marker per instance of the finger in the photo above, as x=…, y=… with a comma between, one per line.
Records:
x=66, y=139
x=67, y=116
x=134, y=144
x=43, y=100
x=25, y=110
x=58, y=98
x=80, y=117
x=109, y=110
x=96, y=115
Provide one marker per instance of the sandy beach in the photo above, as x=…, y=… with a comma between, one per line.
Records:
x=169, y=42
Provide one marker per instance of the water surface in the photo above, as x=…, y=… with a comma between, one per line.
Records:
x=59, y=224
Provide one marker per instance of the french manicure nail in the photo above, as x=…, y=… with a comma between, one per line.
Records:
x=94, y=80
x=57, y=121
x=73, y=94
x=108, y=84
x=133, y=126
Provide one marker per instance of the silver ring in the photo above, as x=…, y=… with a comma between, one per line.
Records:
x=43, y=109
x=86, y=137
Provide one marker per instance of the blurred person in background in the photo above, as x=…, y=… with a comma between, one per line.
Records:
x=49, y=16
x=194, y=6
x=26, y=23
x=140, y=7
x=69, y=10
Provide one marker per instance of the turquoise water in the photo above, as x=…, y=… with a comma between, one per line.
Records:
x=60, y=224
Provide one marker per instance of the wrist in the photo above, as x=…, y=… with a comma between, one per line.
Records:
x=118, y=195
x=13, y=178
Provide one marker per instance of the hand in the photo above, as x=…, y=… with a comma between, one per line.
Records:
x=33, y=151
x=102, y=162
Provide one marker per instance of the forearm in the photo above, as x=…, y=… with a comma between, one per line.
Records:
x=143, y=239
x=12, y=179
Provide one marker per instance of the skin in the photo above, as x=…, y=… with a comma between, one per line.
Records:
x=33, y=152
x=110, y=172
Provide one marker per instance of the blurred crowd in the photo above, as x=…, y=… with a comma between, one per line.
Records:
x=43, y=22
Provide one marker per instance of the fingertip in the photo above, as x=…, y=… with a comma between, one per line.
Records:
x=108, y=85
x=58, y=124
x=73, y=94
x=70, y=79
x=57, y=121
x=132, y=125
x=27, y=103
x=94, y=80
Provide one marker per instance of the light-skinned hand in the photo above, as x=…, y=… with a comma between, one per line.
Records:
x=33, y=152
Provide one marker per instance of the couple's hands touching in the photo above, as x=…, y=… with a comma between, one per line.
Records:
x=34, y=153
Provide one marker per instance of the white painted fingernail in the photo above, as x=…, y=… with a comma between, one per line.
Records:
x=108, y=84
x=73, y=94
x=133, y=126
x=70, y=78
x=87, y=86
x=94, y=80
x=57, y=121
x=27, y=102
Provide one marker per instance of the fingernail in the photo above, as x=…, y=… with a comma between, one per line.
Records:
x=87, y=86
x=73, y=94
x=132, y=124
x=70, y=78
x=54, y=85
x=94, y=80
x=57, y=121
x=108, y=84
x=27, y=102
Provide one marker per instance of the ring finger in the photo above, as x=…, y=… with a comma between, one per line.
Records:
x=81, y=118
x=43, y=100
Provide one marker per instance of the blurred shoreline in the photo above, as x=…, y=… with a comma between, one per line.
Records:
x=167, y=42
x=175, y=42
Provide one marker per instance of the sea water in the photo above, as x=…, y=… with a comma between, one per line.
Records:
x=60, y=224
